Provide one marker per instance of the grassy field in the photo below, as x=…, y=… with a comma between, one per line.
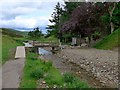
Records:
x=8, y=43
x=36, y=69
x=109, y=42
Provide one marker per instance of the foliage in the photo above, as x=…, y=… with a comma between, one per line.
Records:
x=69, y=77
x=54, y=77
x=55, y=20
x=51, y=75
x=73, y=82
x=36, y=33
x=37, y=73
x=110, y=41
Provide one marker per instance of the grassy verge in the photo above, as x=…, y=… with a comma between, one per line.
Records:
x=7, y=44
x=110, y=41
x=36, y=69
x=0, y=47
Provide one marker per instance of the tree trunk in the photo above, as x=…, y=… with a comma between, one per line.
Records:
x=111, y=12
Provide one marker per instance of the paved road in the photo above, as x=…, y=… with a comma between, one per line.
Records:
x=12, y=70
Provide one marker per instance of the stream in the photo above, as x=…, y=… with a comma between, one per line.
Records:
x=64, y=66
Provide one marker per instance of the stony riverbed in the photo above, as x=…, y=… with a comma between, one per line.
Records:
x=103, y=64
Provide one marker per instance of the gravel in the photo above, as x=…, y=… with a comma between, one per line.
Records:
x=102, y=63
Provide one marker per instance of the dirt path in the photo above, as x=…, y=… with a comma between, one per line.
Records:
x=96, y=67
x=12, y=70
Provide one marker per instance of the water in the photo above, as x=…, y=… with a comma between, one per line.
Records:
x=44, y=52
x=28, y=45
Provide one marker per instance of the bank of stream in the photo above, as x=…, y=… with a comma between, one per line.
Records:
x=64, y=66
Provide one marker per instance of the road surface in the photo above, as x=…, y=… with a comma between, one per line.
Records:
x=12, y=70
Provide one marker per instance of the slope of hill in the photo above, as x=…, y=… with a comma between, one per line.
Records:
x=13, y=33
x=8, y=43
x=110, y=41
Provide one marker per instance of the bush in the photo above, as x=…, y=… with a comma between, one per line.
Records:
x=37, y=73
x=69, y=77
x=48, y=64
x=34, y=58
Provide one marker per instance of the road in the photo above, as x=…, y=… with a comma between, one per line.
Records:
x=12, y=69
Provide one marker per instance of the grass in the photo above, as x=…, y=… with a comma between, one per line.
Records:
x=110, y=41
x=13, y=33
x=42, y=39
x=35, y=67
x=0, y=48
x=30, y=65
x=8, y=43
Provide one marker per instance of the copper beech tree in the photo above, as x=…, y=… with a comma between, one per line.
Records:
x=85, y=19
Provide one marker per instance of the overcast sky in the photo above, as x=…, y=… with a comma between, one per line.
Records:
x=26, y=13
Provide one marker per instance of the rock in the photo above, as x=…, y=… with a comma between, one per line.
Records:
x=47, y=86
x=79, y=72
x=43, y=82
x=40, y=84
x=98, y=74
x=55, y=86
x=91, y=62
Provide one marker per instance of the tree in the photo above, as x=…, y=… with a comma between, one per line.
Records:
x=55, y=18
x=35, y=33
x=82, y=21
x=86, y=19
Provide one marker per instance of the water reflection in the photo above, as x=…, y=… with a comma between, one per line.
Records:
x=43, y=52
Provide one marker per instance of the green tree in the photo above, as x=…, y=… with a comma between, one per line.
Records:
x=55, y=19
x=35, y=33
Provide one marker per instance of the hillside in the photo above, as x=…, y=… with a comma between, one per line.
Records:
x=13, y=33
x=9, y=43
x=110, y=41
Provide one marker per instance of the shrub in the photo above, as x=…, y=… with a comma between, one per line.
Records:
x=69, y=77
x=48, y=64
x=37, y=73
x=34, y=58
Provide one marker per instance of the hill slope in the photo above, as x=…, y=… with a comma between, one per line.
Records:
x=110, y=41
x=13, y=33
x=8, y=44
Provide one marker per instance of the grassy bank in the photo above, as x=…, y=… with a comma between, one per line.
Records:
x=8, y=43
x=0, y=47
x=36, y=69
x=110, y=41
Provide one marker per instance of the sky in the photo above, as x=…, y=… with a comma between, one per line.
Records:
x=24, y=14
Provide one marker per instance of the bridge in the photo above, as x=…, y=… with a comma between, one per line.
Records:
x=45, y=45
x=36, y=44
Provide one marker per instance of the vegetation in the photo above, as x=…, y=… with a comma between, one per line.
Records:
x=84, y=19
x=13, y=33
x=110, y=41
x=8, y=43
x=35, y=34
x=36, y=69
x=0, y=47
